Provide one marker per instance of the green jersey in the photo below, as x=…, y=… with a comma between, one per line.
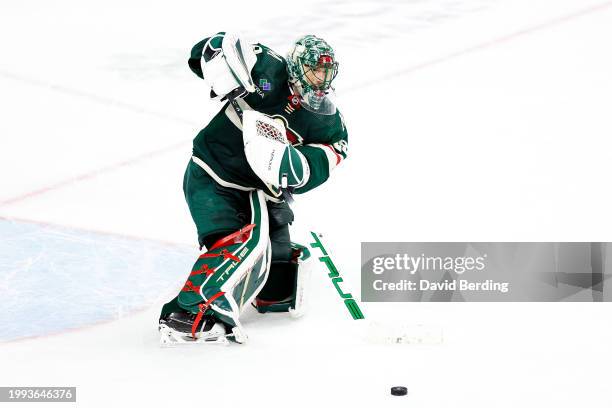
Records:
x=219, y=147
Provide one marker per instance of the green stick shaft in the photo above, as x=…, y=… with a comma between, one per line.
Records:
x=334, y=275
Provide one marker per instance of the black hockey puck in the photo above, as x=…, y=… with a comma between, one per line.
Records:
x=399, y=391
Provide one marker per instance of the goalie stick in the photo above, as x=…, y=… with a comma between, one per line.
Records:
x=231, y=97
x=350, y=302
x=377, y=331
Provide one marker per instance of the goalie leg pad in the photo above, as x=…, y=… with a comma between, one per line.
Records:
x=287, y=285
x=278, y=295
x=231, y=272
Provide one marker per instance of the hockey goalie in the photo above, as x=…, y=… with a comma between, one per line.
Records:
x=278, y=133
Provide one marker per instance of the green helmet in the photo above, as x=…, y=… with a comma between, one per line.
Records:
x=312, y=68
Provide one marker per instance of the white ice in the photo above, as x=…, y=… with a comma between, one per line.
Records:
x=469, y=120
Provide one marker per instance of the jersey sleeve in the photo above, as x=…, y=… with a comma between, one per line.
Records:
x=322, y=158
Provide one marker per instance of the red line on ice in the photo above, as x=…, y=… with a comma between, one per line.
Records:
x=426, y=64
x=92, y=174
x=488, y=44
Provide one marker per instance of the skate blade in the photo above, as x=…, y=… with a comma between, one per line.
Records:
x=172, y=338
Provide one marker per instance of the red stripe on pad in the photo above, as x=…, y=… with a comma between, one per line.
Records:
x=237, y=237
x=203, y=270
x=202, y=308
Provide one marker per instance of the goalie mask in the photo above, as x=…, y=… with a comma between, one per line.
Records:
x=312, y=68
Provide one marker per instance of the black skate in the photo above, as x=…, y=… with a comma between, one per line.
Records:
x=180, y=328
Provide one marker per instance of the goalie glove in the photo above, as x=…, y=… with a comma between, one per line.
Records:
x=270, y=155
x=226, y=64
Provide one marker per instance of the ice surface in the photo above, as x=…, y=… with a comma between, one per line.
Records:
x=469, y=120
x=55, y=279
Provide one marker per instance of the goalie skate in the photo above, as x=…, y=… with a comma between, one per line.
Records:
x=176, y=330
